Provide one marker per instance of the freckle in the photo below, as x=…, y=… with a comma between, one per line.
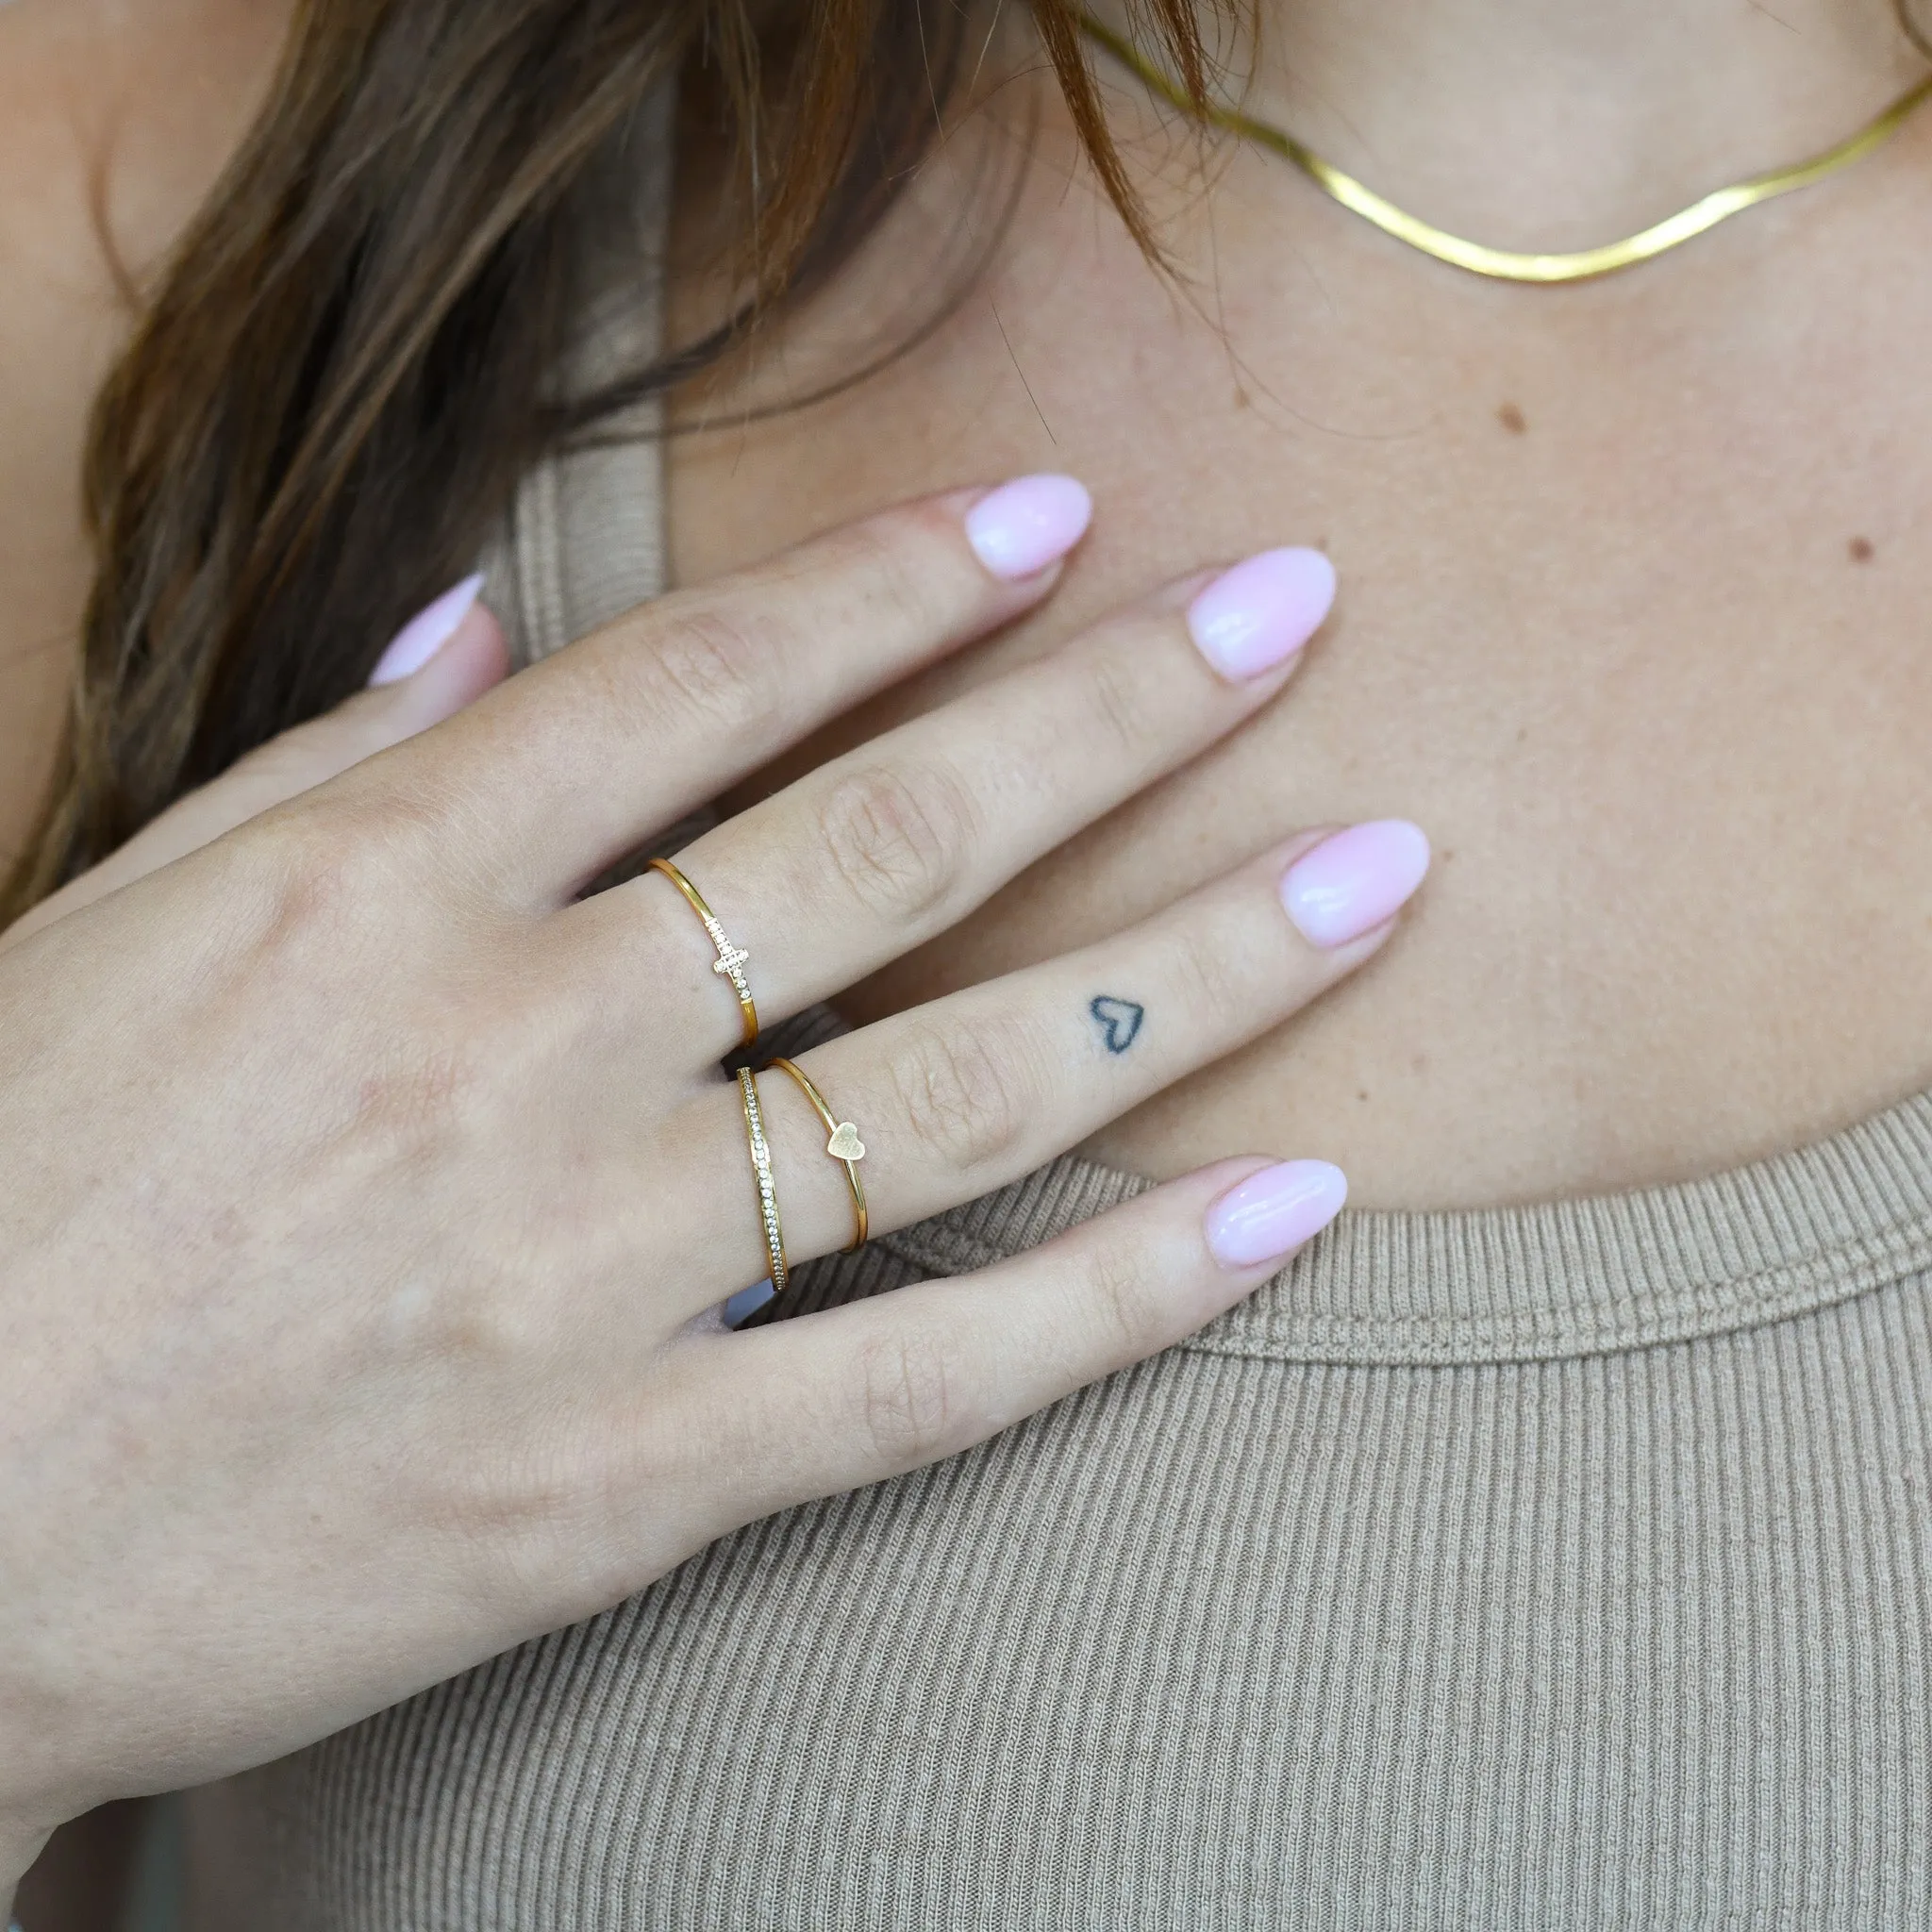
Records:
x=1522, y=734
x=1243, y=400
x=1362, y=1093
x=1860, y=550
x=1512, y=418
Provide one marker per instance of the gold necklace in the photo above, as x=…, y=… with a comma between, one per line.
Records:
x=1502, y=263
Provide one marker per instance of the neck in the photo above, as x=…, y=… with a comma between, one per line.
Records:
x=1557, y=124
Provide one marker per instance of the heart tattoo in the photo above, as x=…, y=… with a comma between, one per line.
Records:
x=1120, y=1019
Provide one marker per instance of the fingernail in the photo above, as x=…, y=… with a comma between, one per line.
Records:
x=1272, y=1213
x=747, y=1302
x=1023, y=527
x=426, y=633
x=1252, y=617
x=1349, y=884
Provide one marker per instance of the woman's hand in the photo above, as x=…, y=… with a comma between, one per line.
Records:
x=447, y=655
x=368, y=1197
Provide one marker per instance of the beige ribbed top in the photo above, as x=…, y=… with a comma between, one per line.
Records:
x=1563, y=1567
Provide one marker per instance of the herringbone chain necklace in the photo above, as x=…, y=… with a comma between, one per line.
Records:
x=1503, y=263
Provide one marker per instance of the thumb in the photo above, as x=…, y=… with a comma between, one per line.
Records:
x=443, y=657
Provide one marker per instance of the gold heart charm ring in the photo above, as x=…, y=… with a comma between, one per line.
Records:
x=845, y=1144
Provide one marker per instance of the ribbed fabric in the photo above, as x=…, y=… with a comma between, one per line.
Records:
x=1567, y=1567
x=1631, y=1638
x=1577, y=1277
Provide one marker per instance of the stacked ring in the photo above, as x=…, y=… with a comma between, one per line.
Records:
x=762, y=1173
x=730, y=961
x=845, y=1145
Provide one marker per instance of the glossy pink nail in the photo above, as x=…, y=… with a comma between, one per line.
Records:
x=1252, y=617
x=1023, y=527
x=426, y=633
x=1272, y=1213
x=1349, y=884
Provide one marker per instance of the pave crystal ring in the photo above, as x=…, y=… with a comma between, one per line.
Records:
x=761, y=1175
x=730, y=962
x=843, y=1144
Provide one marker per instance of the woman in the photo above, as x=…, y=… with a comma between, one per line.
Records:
x=1557, y=1563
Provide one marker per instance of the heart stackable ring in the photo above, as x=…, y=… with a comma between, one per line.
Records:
x=843, y=1144
x=730, y=962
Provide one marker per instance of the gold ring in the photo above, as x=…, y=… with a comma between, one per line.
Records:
x=845, y=1144
x=730, y=961
x=762, y=1173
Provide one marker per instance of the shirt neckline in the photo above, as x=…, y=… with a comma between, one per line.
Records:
x=1582, y=1275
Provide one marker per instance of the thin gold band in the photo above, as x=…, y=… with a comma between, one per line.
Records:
x=762, y=1173
x=842, y=1135
x=730, y=961
x=1503, y=264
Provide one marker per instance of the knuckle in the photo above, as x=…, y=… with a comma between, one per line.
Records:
x=898, y=838
x=891, y=559
x=1122, y=1296
x=1210, y=979
x=320, y=907
x=715, y=668
x=908, y=1399
x=897, y=572
x=1124, y=710
x=314, y=867
x=967, y=1094
x=486, y=1327
x=336, y=859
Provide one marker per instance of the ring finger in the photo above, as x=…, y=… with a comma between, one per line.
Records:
x=963, y=1095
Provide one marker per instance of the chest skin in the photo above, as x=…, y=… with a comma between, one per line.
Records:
x=1633, y=615
x=1634, y=619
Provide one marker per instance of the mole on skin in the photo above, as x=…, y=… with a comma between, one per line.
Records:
x=1512, y=418
x=1860, y=550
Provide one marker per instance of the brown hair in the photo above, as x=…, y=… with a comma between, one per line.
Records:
x=352, y=354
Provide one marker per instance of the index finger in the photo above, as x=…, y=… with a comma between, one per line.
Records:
x=571, y=766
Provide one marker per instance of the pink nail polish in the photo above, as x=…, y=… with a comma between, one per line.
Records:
x=1023, y=527
x=1252, y=617
x=1272, y=1213
x=426, y=633
x=1349, y=884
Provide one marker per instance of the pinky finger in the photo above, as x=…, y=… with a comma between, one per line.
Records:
x=831, y=1400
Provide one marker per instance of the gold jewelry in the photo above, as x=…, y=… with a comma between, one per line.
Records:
x=1502, y=263
x=845, y=1144
x=762, y=1173
x=730, y=960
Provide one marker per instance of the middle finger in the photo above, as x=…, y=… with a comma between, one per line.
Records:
x=862, y=859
